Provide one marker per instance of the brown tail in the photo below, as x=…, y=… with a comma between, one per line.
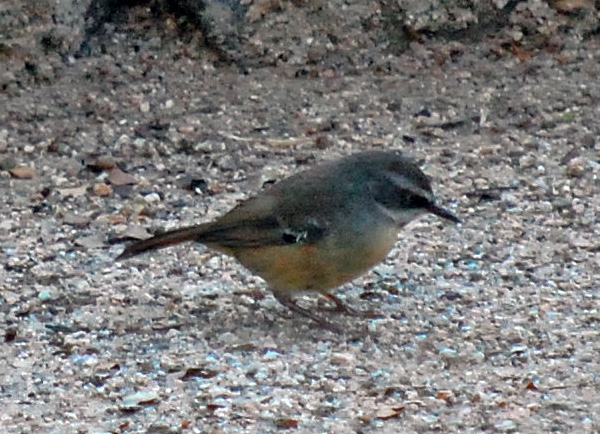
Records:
x=166, y=239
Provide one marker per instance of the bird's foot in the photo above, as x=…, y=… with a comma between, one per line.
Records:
x=288, y=302
x=343, y=308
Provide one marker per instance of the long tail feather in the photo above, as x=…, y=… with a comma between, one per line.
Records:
x=162, y=240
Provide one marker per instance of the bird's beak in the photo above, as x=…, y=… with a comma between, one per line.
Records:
x=441, y=212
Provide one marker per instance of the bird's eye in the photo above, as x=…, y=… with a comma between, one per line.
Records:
x=416, y=201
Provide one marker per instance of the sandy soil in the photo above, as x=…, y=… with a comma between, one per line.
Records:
x=489, y=326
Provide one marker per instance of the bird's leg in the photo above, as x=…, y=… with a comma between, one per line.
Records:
x=341, y=307
x=288, y=302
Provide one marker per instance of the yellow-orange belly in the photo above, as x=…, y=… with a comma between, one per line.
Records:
x=319, y=266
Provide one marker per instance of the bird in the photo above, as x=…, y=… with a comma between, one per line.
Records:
x=317, y=229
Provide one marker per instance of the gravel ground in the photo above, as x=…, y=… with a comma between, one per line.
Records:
x=489, y=326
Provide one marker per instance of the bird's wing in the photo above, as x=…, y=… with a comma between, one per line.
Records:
x=258, y=223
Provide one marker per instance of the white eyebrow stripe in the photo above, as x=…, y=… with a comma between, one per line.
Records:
x=405, y=184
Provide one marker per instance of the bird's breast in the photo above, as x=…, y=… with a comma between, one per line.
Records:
x=320, y=266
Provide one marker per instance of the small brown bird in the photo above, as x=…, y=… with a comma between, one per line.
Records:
x=317, y=229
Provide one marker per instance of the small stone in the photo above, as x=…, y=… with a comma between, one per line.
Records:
x=323, y=142
x=10, y=334
x=285, y=423
x=186, y=129
x=570, y=155
x=152, y=198
x=137, y=233
x=116, y=219
x=341, y=359
x=576, y=167
x=545, y=206
x=200, y=372
x=446, y=395
x=562, y=203
x=226, y=163
x=567, y=6
x=7, y=224
x=118, y=177
x=139, y=398
x=215, y=188
x=124, y=191
x=516, y=35
x=386, y=413
x=270, y=355
x=145, y=107
x=315, y=54
x=449, y=353
x=45, y=295
x=578, y=241
x=102, y=189
x=101, y=163
x=527, y=161
x=75, y=220
x=91, y=242
x=72, y=191
x=23, y=172
x=505, y=425
x=8, y=163
x=518, y=348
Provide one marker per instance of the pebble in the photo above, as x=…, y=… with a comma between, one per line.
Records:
x=138, y=398
x=527, y=161
x=137, y=232
x=72, y=191
x=23, y=172
x=91, y=242
x=117, y=177
x=102, y=189
x=8, y=163
x=45, y=294
x=561, y=203
x=578, y=241
x=152, y=198
x=75, y=220
x=101, y=163
x=186, y=129
x=576, y=167
x=505, y=425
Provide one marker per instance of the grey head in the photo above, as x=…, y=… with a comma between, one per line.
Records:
x=399, y=187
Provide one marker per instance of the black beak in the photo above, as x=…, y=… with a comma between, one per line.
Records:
x=441, y=212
